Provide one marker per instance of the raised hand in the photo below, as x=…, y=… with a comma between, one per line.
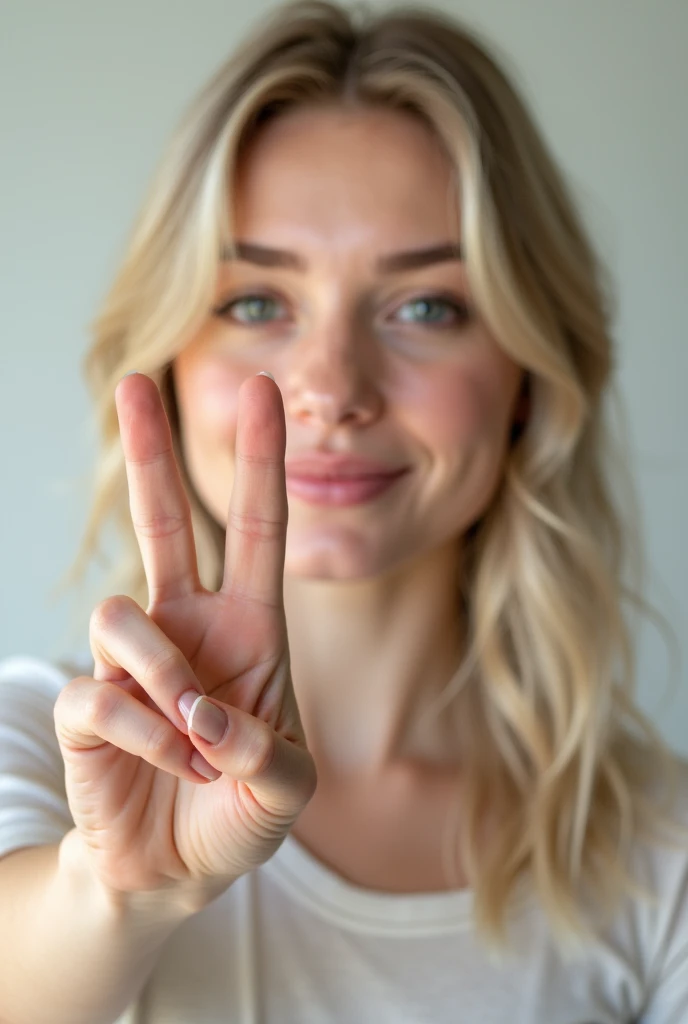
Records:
x=155, y=804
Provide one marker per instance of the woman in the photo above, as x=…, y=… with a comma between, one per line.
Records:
x=382, y=765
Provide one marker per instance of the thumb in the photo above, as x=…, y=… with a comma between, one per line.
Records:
x=279, y=772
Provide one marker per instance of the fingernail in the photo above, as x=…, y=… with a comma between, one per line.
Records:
x=186, y=702
x=264, y=373
x=129, y=373
x=209, y=721
x=200, y=765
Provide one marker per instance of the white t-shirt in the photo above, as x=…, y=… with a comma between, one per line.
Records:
x=293, y=943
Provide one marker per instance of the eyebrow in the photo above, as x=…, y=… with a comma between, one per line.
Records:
x=414, y=259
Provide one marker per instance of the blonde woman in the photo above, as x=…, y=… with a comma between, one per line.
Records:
x=383, y=764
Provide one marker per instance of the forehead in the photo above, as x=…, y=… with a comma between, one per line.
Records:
x=342, y=171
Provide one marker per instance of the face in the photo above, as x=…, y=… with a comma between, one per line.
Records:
x=378, y=360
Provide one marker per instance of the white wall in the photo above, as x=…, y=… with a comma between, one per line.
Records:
x=89, y=93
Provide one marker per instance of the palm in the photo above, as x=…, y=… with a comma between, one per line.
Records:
x=233, y=648
x=208, y=819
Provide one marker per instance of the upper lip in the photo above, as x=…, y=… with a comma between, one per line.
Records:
x=321, y=464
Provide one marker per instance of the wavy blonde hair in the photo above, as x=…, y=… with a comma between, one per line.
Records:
x=557, y=750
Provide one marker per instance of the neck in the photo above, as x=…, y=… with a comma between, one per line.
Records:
x=368, y=658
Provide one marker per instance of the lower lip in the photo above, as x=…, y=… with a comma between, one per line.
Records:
x=340, y=491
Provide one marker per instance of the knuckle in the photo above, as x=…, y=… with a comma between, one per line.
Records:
x=70, y=691
x=64, y=700
x=159, y=526
x=99, y=705
x=110, y=613
x=164, y=662
x=257, y=527
x=268, y=461
x=160, y=743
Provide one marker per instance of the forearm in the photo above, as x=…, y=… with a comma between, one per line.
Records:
x=70, y=952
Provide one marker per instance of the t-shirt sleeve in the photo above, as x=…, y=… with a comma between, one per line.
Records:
x=33, y=802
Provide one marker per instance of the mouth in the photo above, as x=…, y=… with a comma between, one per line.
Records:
x=339, y=488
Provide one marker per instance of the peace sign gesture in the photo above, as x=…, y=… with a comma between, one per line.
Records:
x=158, y=801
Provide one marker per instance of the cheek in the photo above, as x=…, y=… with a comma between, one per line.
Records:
x=449, y=406
x=208, y=392
x=207, y=397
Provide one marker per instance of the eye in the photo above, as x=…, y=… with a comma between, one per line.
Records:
x=434, y=310
x=249, y=309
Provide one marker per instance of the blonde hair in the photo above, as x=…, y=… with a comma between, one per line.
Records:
x=557, y=749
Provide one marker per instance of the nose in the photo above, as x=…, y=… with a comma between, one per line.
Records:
x=333, y=381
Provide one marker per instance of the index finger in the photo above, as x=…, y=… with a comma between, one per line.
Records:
x=159, y=506
x=258, y=509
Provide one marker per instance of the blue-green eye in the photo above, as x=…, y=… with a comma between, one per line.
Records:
x=431, y=310
x=250, y=309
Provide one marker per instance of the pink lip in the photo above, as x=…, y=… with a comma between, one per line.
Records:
x=340, y=490
x=328, y=464
x=327, y=479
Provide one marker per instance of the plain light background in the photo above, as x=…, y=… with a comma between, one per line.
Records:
x=90, y=92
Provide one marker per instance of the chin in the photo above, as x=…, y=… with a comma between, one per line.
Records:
x=334, y=558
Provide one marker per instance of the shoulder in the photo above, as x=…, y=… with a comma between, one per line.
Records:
x=38, y=677
x=29, y=687
x=33, y=801
x=657, y=916
x=659, y=919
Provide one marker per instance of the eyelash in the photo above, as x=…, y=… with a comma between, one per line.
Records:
x=460, y=309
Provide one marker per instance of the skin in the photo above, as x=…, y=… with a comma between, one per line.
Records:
x=370, y=590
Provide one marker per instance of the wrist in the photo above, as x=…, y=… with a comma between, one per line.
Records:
x=168, y=906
